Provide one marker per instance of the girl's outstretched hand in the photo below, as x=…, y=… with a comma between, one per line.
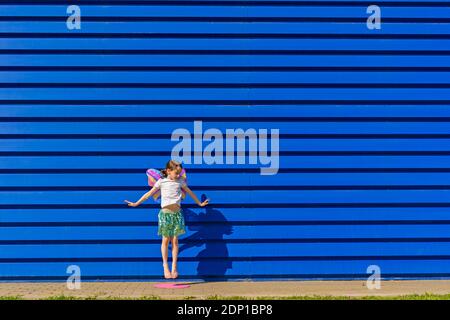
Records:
x=131, y=204
x=204, y=203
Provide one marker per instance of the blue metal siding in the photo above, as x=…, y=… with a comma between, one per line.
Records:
x=364, y=120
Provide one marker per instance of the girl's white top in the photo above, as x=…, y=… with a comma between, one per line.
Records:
x=170, y=190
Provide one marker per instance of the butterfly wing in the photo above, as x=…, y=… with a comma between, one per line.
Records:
x=184, y=177
x=154, y=175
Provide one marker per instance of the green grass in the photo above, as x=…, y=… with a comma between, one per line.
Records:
x=427, y=296
x=63, y=297
x=10, y=297
x=152, y=297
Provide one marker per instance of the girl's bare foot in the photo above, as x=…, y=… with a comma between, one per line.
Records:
x=167, y=273
x=174, y=273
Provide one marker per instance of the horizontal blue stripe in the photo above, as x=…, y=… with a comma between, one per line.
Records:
x=285, y=155
x=250, y=86
x=237, y=198
x=235, y=215
x=257, y=268
x=216, y=78
x=387, y=3
x=167, y=58
x=192, y=242
x=241, y=19
x=228, y=44
x=121, y=113
x=245, y=170
x=235, y=188
x=161, y=10
x=110, y=35
x=164, y=146
x=224, y=231
x=231, y=223
x=253, y=205
x=231, y=250
x=331, y=45
x=238, y=95
x=225, y=102
x=281, y=136
x=81, y=70
x=261, y=121
x=319, y=162
x=226, y=179
x=225, y=260
x=281, y=29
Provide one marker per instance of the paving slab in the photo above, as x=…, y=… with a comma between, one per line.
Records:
x=203, y=290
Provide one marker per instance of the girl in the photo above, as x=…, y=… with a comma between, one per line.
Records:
x=170, y=217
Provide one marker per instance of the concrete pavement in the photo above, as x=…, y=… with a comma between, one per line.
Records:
x=202, y=290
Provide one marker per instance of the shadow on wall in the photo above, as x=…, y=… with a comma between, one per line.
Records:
x=214, y=258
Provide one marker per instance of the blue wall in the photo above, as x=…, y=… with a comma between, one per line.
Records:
x=364, y=118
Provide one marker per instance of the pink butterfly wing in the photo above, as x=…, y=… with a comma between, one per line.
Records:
x=184, y=177
x=153, y=176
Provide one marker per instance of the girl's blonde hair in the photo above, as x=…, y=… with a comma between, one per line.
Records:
x=171, y=165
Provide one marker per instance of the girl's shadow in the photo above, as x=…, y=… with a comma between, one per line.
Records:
x=210, y=227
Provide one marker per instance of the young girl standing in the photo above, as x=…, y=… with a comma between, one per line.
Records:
x=170, y=217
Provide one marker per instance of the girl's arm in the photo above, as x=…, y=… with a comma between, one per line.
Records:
x=193, y=196
x=143, y=198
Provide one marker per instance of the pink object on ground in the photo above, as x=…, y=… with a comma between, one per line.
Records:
x=171, y=285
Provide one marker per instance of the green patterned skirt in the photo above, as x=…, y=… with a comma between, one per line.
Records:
x=170, y=224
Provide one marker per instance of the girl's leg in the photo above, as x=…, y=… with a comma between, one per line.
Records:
x=165, y=254
x=174, y=257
